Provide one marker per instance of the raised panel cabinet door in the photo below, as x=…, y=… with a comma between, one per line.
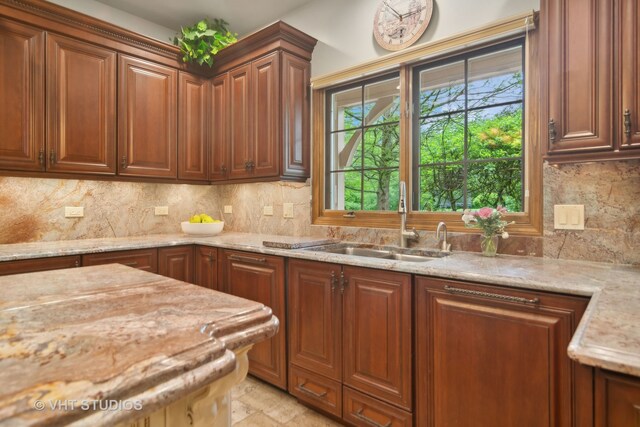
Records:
x=38, y=264
x=147, y=119
x=81, y=107
x=194, y=112
x=219, y=158
x=265, y=130
x=483, y=360
x=177, y=262
x=377, y=334
x=21, y=97
x=628, y=118
x=617, y=400
x=260, y=278
x=142, y=259
x=315, y=317
x=206, y=266
x=295, y=116
x=239, y=122
x=579, y=73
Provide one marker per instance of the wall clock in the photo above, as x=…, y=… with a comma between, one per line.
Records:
x=400, y=23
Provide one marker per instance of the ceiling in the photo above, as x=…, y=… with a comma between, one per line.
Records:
x=243, y=16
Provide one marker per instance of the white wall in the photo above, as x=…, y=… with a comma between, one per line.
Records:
x=344, y=27
x=119, y=17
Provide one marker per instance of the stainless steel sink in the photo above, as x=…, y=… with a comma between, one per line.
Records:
x=382, y=252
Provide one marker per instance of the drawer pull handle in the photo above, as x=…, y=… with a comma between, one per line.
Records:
x=130, y=264
x=368, y=420
x=311, y=392
x=500, y=297
x=247, y=259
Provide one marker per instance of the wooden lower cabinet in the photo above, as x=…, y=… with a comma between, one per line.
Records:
x=206, y=266
x=350, y=334
x=617, y=400
x=260, y=278
x=177, y=262
x=492, y=356
x=38, y=264
x=143, y=259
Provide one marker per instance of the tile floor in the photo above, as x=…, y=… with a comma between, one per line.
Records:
x=257, y=404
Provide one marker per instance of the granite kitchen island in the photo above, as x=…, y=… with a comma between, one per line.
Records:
x=111, y=344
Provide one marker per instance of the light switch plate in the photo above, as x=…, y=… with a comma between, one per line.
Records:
x=73, y=211
x=568, y=217
x=268, y=210
x=287, y=210
x=162, y=210
x=228, y=209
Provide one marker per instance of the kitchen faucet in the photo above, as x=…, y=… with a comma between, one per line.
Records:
x=442, y=230
x=405, y=235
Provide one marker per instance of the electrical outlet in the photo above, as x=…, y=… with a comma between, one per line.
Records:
x=287, y=210
x=268, y=211
x=162, y=210
x=228, y=209
x=73, y=211
x=568, y=217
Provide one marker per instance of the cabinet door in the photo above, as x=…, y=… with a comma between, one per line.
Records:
x=206, y=267
x=628, y=123
x=260, y=278
x=143, y=259
x=193, y=127
x=219, y=160
x=315, y=317
x=81, y=107
x=484, y=360
x=264, y=157
x=377, y=334
x=176, y=262
x=617, y=400
x=579, y=73
x=22, y=97
x=295, y=116
x=239, y=122
x=147, y=119
x=38, y=264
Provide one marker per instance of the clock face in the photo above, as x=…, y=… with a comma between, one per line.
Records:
x=400, y=23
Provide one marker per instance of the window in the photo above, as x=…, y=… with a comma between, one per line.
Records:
x=468, y=131
x=452, y=127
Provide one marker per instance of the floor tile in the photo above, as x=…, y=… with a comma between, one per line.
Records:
x=258, y=420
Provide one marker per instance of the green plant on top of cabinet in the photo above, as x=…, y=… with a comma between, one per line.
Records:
x=491, y=356
x=350, y=341
x=147, y=119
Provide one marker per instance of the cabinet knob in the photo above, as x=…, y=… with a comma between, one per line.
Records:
x=123, y=163
x=41, y=158
x=627, y=124
x=77, y=263
x=552, y=131
x=52, y=157
x=223, y=168
x=334, y=281
x=343, y=282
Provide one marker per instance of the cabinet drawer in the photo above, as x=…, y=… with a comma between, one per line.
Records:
x=38, y=264
x=143, y=259
x=362, y=410
x=316, y=390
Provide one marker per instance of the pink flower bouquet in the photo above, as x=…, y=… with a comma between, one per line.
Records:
x=492, y=225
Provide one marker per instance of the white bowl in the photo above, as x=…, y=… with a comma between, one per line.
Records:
x=202, y=228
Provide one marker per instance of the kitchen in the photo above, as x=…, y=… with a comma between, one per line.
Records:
x=123, y=209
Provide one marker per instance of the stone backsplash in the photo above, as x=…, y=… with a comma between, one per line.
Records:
x=34, y=211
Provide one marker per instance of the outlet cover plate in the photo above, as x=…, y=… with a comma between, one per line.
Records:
x=568, y=217
x=287, y=210
x=162, y=210
x=228, y=209
x=73, y=211
x=268, y=211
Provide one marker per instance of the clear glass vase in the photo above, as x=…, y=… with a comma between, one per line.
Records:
x=489, y=245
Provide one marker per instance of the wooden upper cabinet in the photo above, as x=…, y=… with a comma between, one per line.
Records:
x=147, y=119
x=81, y=107
x=579, y=75
x=194, y=112
x=219, y=151
x=377, y=334
x=295, y=116
x=628, y=120
x=239, y=122
x=264, y=147
x=22, y=97
x=490, y=356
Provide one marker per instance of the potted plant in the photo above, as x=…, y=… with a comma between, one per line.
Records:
x=203, y=40
x=492, y=225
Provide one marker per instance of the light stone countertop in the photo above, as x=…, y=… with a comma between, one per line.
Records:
x=114, y=333
x=608, y=335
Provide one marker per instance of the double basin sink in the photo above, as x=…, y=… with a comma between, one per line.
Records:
x=381, y=252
